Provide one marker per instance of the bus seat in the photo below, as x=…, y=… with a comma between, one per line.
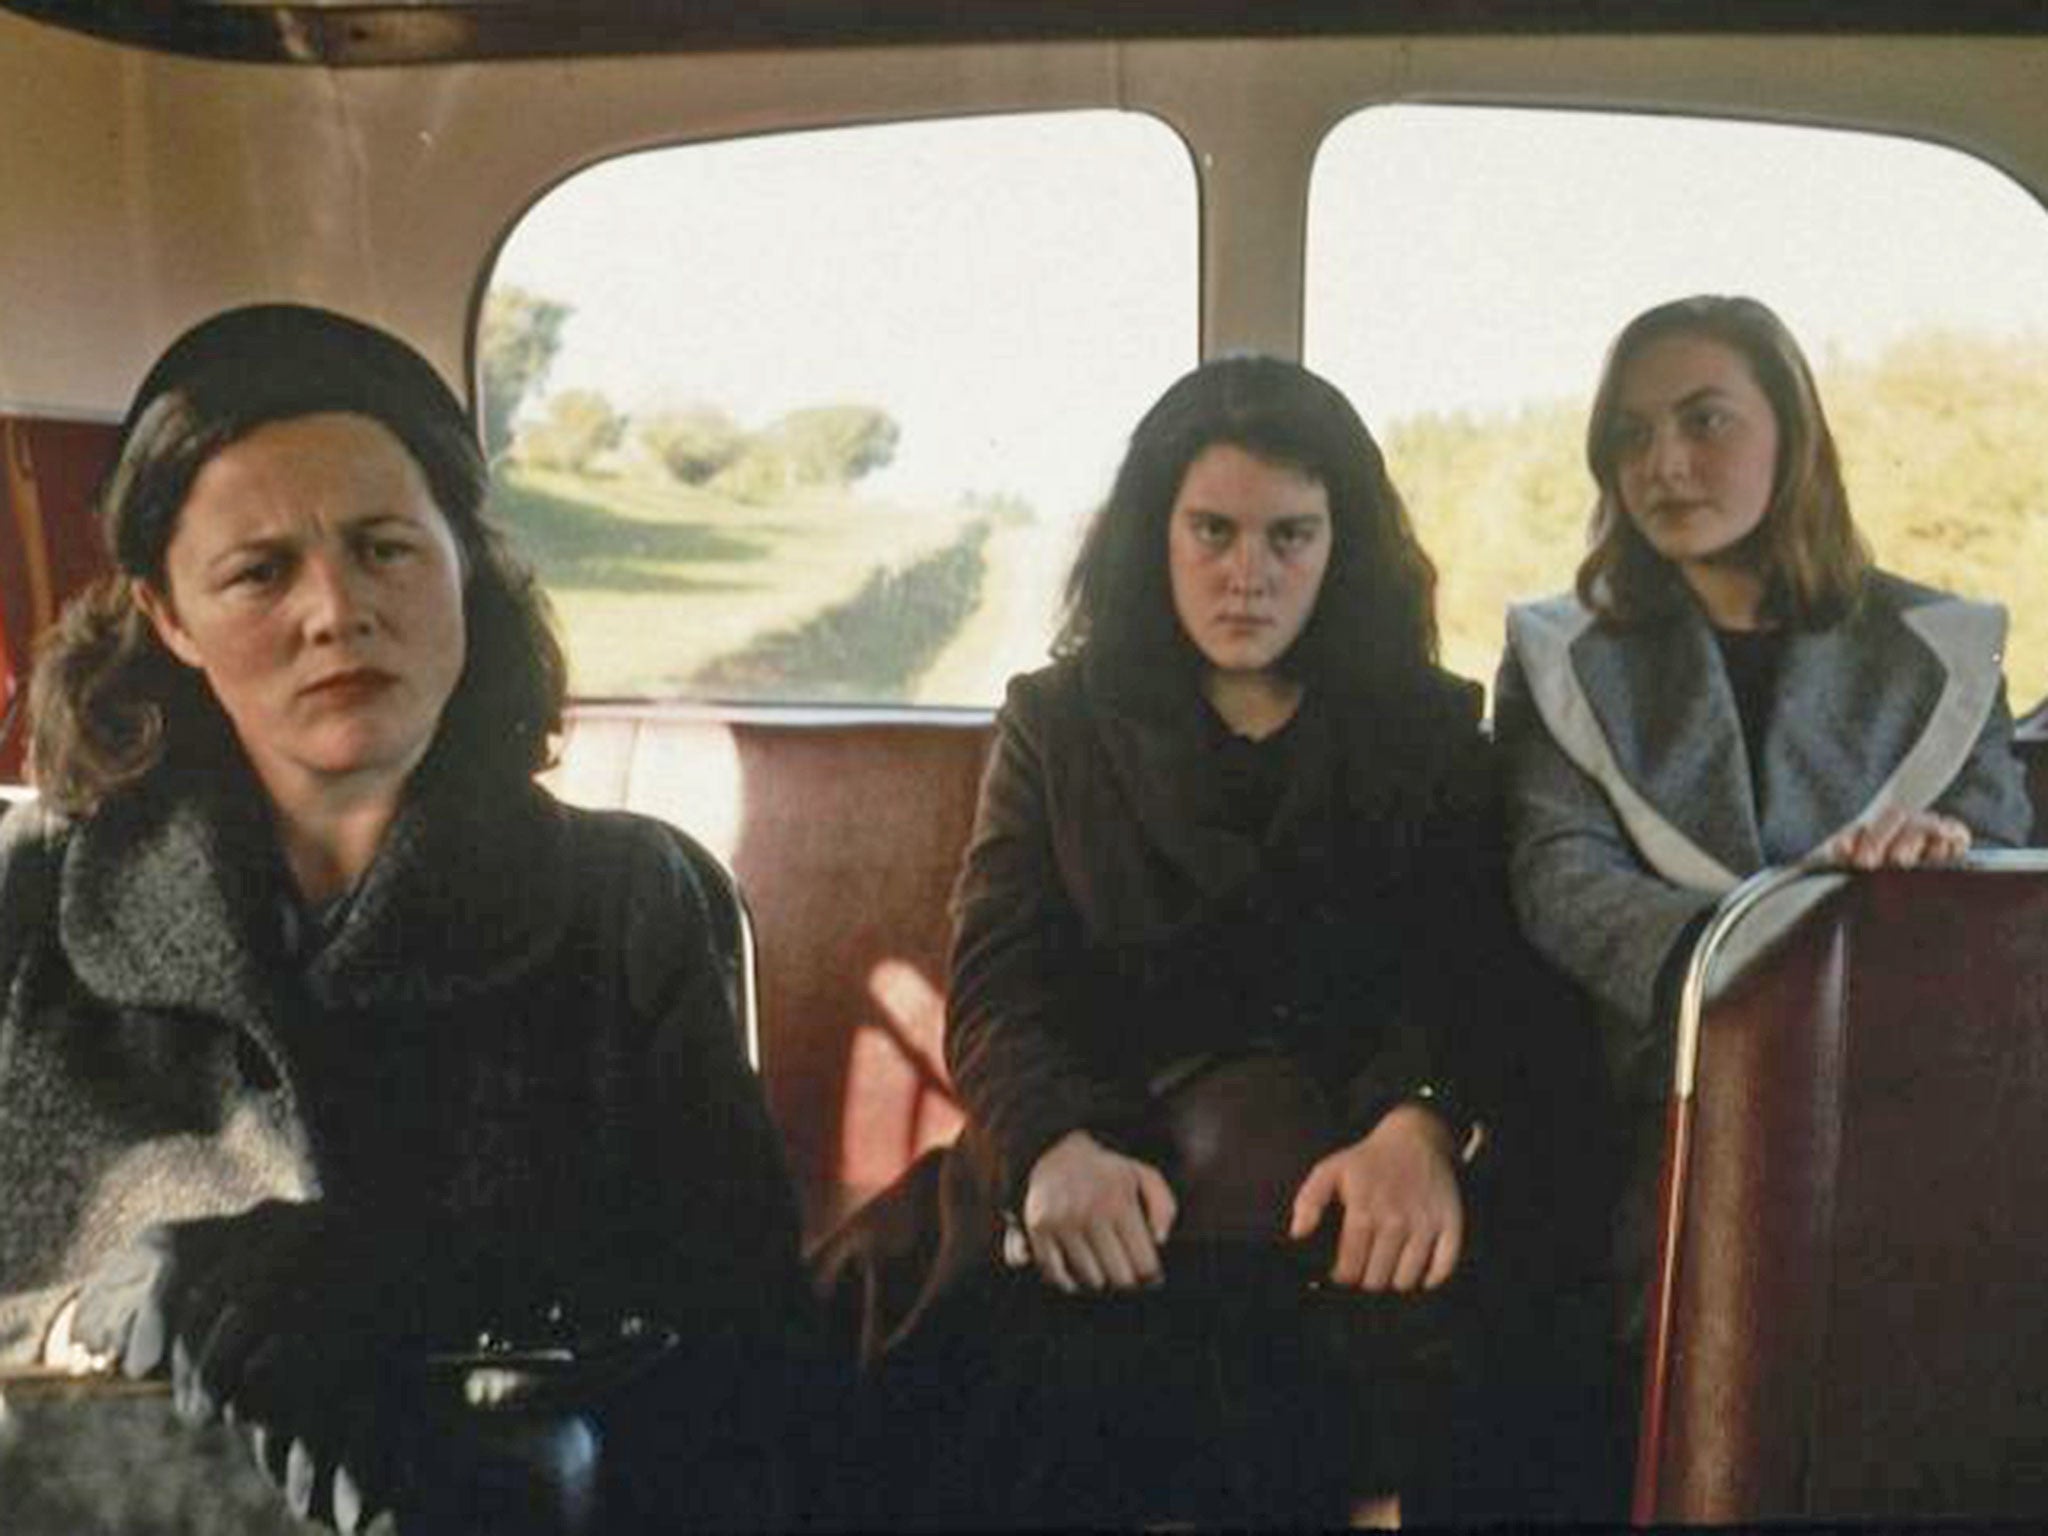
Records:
x=49, y=544
x=1847, y=1320
x=845, y=833
x=2030, y=740
x=732, y=938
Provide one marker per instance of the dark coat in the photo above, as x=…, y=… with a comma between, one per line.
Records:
x=1109, y=923
x=1107, y=927
x=518, y=1034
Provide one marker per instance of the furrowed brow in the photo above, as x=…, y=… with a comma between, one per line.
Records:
x=262, y=545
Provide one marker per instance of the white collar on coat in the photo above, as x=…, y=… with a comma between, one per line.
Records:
x=1933, y=660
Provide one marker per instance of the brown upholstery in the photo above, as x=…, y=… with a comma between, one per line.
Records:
x=1860, y=1252
x=49, y=543
x=846, y=835
x=2032, y=742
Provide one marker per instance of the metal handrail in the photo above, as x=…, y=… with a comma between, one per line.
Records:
x=1760, y=888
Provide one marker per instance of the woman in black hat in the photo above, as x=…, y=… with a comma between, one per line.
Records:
x=329, y=1042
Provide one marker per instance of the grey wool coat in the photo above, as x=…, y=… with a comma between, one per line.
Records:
x=517, y=1035
x=1630, y=802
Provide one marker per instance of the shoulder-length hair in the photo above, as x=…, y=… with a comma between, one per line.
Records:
x=109, y=706
x=1374, y=623
x=1805, y=548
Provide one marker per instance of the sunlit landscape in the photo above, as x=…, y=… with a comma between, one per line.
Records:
x=669, y=589
x=766, y=472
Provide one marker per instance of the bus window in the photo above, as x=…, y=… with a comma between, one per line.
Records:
x=815, y=417
x=1466, y=268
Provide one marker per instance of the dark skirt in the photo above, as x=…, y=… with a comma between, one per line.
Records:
x=1233, y=1394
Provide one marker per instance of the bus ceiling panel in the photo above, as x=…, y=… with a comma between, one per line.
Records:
x=143, y=191
x=344, y=33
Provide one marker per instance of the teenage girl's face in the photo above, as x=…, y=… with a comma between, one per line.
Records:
x=315, y=583
x=1247, y=546
x=1694, y=446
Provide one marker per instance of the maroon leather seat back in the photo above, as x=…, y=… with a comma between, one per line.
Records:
x=50, y=546
x=2033, y=750
x=846, y=835
x=1858, y=1308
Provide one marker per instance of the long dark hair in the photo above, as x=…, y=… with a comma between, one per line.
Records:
x=1374, y=624
x=109, y=705
x=1806, y=547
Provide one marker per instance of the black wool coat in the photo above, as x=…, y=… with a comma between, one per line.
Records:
x=518, y=1039
x=1110, y=924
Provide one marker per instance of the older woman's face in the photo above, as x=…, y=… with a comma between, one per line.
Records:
x=1247, y=544
x=1694, y=446
x=314, y=582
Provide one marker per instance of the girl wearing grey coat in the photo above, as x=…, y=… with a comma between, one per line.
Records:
x=1636, y=804
x=1731, y=685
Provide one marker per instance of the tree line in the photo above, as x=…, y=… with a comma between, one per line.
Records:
x=1940, y=439
x=1939, y=434
x=699, y=446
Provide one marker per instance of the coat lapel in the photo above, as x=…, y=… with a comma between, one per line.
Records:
x=170, y=904
x=166, y=899
x=1302, y=818
x=1852, y=701
x=170, y=901
x=1664, y=704
x=1148, y=755
x=470, y=891
x=1156, y=741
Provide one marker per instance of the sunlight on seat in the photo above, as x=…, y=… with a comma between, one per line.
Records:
x=685, y=774
x=898, y=1100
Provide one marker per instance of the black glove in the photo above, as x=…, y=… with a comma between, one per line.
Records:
x=303, y=1324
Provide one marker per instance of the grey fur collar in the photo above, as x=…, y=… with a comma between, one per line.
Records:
x=169, y=899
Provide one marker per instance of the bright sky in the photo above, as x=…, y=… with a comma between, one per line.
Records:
x=1017, y=290
x=1014, y=290
x=1462, y=257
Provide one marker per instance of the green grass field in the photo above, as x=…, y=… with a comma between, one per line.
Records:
x=656, y=583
